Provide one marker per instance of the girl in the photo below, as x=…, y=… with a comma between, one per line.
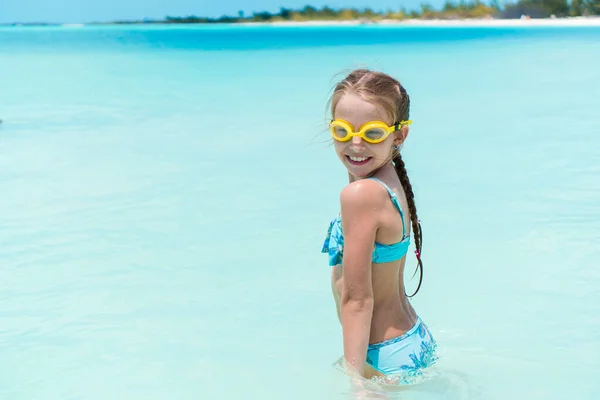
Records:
x=368, y=241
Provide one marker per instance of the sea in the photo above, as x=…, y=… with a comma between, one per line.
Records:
x=166, y=191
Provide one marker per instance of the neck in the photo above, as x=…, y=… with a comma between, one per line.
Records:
x=385, y=170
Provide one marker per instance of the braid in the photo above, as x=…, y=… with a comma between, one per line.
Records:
x=416, y=225
x=410, y=196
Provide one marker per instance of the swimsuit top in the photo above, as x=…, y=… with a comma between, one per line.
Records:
x=334, y=243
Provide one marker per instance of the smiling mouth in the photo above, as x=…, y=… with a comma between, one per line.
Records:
x=358, y=160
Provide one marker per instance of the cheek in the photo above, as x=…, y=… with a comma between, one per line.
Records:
x=384, y=148
x=338, y=146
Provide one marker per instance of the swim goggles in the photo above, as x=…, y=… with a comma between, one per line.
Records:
x=371, y=132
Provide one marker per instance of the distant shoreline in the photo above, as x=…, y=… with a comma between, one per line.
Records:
x=458, y=22
x=567, y=21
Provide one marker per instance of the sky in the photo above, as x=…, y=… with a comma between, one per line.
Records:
x=74, y=11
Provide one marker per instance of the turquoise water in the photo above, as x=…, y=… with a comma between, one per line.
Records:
x=166, y=192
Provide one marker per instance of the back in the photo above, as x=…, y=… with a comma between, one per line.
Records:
x=392, y=313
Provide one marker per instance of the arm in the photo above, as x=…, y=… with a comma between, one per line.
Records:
x=359, y=207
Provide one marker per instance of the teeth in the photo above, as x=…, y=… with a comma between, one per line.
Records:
x=358, y=159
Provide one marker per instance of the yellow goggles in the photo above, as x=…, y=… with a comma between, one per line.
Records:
x=372, y=132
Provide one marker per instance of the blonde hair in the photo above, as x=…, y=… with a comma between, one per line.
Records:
x=383, y=90
x=376, y=88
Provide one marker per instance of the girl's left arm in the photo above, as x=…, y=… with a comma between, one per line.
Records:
x=359, y=224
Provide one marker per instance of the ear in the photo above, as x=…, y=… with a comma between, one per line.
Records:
x=400, y=135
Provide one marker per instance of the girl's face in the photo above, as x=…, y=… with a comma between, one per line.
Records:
x=360, y=157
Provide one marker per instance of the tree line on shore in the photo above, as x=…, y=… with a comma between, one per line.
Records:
x=450, y=10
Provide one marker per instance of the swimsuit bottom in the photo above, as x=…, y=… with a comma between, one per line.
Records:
x=406, y=355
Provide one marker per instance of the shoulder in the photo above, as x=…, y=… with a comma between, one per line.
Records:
x=363, y=195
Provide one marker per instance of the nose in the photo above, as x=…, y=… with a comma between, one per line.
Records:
x=357, y=145
x=356, y=140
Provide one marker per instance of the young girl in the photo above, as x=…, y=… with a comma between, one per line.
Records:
x=368, y=241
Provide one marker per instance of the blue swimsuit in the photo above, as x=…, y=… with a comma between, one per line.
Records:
x=405, y=356
x=382, y=253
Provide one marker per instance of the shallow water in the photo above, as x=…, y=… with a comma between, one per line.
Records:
x=166, y=192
